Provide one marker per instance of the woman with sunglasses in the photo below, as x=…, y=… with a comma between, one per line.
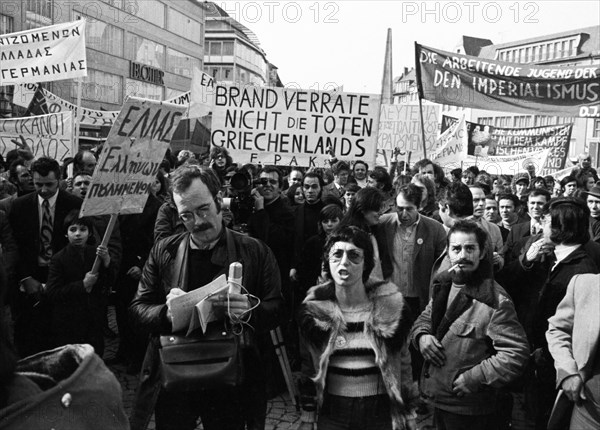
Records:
x=356, y=332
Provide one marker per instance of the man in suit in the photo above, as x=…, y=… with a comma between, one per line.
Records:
x=409, y=244
x=37, y=220
x=341, y=172
x=573, y=340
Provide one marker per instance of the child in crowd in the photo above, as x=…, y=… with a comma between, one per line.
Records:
x=75, y=293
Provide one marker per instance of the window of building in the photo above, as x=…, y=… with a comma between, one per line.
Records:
x=181, y=64
x=145, y=51
x=522, y=121
x=543, y=120
x=104, y=37
x=502, y=121
x=596, y=129
x=101, y=87
x=215, y=48
x=227, y=74
x=184, y=26
x=38, y=13
x=228, y=48
x=6, y=24
x=143, y=89
x=214, y=72
x=486, y=120
x=152, y=11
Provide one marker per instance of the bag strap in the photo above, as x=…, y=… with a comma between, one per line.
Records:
x=181, y=261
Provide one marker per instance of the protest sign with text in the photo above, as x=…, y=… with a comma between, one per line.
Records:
x=400, y=127
x=279, y=126
x=202, y=97
x=131, y=157
x=86, y=116
x=43, y=54
x=47, y=135
x=473, y=82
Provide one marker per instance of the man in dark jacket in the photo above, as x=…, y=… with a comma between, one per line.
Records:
x=206, y=251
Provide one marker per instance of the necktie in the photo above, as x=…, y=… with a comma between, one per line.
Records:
x=46, y=232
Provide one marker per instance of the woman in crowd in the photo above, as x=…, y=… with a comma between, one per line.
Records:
x=160, y=188
x=364, y=213
x=295, y=195
x=357, y=334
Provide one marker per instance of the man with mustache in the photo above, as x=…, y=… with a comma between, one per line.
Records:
x=469, y=335
x=205, y=251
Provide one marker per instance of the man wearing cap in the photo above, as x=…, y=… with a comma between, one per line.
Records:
x=593, y=202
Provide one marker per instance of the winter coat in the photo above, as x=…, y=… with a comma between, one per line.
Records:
x=68, y=388
x=322, y=322
x=482, y=339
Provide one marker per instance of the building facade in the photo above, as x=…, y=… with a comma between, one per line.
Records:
x=142, y=48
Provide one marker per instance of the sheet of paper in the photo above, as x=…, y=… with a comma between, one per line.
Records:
x=182, y=307
x=203, y=311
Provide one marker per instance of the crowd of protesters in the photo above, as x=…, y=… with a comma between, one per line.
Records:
x=400, y=291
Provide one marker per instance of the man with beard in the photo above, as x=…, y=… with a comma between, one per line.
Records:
x=469, y=336
x=205, y=251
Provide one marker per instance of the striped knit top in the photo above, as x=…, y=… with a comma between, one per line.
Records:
x=352, y=371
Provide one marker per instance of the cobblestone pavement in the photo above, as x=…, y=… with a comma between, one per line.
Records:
x=281, y=413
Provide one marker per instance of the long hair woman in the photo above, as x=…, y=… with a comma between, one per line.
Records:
x=356, y=333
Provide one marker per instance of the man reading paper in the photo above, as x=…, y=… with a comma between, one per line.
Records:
x=209, y=249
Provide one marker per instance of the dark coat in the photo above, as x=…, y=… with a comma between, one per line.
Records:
x=77, y=316
x=37, y=395
x=167, y=221
x=303, y=232
x=149, y=311
x=24, y=219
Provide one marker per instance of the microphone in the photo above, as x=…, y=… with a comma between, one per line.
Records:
x=235, y=278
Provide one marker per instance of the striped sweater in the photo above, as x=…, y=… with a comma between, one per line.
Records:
x=352, y=370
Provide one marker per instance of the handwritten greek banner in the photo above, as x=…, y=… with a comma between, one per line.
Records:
x=473, y=82
x=52, y=53
x=131, y=157
x=47, y=135
x=292, y=127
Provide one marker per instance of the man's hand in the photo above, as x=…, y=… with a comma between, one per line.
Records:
x=21, y=143
x=175, y=292
x=259, y=200
x=497, y=259
x=232, y=304
x=432, y=350
x=573, y=388
x=293, y=275
x=538, y=249
x=134, y=272
x=459, y=386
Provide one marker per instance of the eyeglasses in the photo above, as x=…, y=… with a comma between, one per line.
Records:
x=355, y=256
x=190, y=216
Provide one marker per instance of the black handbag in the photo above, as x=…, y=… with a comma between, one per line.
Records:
x=201, y=360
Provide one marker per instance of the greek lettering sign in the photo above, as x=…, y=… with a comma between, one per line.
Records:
x=47, y=135
x=279, y=126
x=202, y=94
x=131, y=157
x=400, y=127
x=463, y=80
x=86, y=116
x=43, y=54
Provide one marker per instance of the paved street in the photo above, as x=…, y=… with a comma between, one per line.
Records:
x=282, y=414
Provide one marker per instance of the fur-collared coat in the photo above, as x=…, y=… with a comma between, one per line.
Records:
x=322, y=321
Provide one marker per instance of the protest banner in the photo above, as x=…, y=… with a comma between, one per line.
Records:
x=279, y=126
x=400, y=127
x=202, y=97
x=487, y=140
x=48, y=135
x=23, y=94
x=451, y=147
x=52, y=53
x=86, y=116
x=131, y=157
x=452, y=152
x=473, y=82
